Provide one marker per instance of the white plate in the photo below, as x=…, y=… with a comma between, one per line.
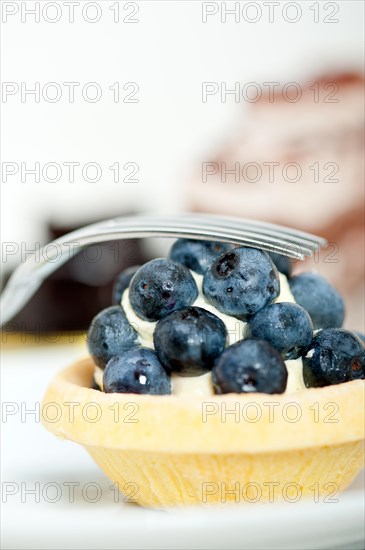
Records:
x=34, y=460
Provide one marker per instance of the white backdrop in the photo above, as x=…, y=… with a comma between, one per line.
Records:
x=168, y=52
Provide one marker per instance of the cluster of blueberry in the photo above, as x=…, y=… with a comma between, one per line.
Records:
x=189, y=341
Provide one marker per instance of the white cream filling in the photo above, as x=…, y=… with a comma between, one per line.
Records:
x=236, y=329
x=193, y=386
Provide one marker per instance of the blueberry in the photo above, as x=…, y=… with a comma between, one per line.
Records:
x=282, y=263
x=250, y=366
x=359, y=335
x=197, y=255
x=188, y=341
x=160, y=287
x=334, y=356
x=241, y=281
x=110, y=334
x=121, y=283
x=137, y=370
x=323, y=303
x=286, y=326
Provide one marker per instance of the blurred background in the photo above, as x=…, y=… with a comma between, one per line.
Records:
x=241, y=108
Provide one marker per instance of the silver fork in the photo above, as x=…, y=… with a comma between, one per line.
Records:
x=30, y=274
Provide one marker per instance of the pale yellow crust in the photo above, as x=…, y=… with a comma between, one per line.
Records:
x=169, y=447
x=170, y=479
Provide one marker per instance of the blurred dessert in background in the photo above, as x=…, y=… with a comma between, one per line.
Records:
x=298, y=161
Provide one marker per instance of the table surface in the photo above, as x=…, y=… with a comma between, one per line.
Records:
x=55, y=497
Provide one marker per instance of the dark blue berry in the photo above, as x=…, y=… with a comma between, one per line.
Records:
x=137, y=370
x=323, y=303
x=121, y=283
x=188, y=341
x=250, y=366
x=286, y=326
x=241, y=281
x=160, y=287
x=334, y=356
x=283, y=263
x=197, y=255
x=110, y=334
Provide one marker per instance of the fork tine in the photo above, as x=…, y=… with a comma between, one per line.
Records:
x=294, y=236
x=288, y=243
x=267, y=229
x=202, y=232
x=264, y=226
x=189, y=229
x=245, y=237
x=284, y=241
